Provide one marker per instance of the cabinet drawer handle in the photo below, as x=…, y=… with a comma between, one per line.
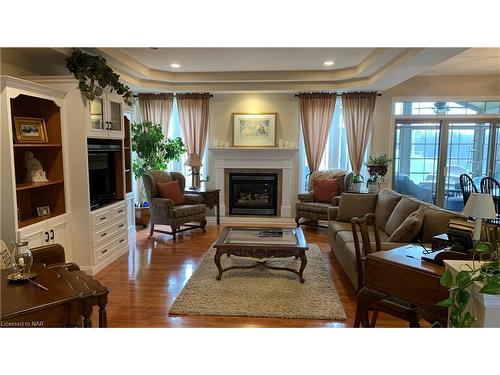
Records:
x=123, y=239
x=104, y=234
x=47, y=237
x=103, y=218
x=104, y=251
x=51, y=234
x=120, y=211
x=120, y=226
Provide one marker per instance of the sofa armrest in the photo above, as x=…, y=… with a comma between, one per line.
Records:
x=332, y=213
x=306, y=197
x=335, y=201
x=193, y=199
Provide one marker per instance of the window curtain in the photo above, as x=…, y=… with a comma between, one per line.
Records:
x=316, y=111
x=358, y=110
x=157, y=109
x=193, y=115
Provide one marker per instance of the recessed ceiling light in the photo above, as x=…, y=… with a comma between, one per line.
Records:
x=329, y=63
x=175, y=66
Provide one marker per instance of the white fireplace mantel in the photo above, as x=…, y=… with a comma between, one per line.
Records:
x=256, y=158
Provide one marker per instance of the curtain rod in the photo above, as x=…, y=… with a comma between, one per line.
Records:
x=338, y=94
x=136, y=96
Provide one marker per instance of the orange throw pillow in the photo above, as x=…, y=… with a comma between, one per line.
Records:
x=325, y=190
x=171, y=190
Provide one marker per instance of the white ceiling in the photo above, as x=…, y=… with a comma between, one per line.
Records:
x=247, y=59
x=472, y=61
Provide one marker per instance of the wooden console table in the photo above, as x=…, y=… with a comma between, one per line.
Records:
x=210, y=199
x=401, y=273
x=70, y=295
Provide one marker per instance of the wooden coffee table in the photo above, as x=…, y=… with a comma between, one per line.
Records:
x=250, y=242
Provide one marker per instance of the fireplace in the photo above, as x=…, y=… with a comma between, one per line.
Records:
x=253, y=193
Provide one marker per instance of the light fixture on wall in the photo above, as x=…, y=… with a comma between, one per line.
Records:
x=175, y=65
x=329, y=63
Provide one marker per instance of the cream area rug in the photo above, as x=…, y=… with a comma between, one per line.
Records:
x=260, y=291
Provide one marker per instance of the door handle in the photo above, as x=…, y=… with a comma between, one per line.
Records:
x=52, y=234
x=47, y=237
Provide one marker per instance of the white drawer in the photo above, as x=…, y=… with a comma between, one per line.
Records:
x=120, y=209
x=118, y=241
x=102, y=218
x=109, y=231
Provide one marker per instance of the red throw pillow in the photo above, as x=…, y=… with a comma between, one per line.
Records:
x=171, y=190
x=325, y=190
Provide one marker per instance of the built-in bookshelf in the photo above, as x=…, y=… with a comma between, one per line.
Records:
x=30, y=195
x=127, y=149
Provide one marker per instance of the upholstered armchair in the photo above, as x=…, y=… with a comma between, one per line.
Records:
x=164, y=212
x=307, y=210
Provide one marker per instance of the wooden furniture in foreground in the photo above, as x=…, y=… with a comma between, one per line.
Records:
x=401, y=273
x=388, y=305
x=70, y=295
x=246, y=242
x=210, y=199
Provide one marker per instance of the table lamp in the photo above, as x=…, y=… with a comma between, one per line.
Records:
x=194, y=162
x=479, y=206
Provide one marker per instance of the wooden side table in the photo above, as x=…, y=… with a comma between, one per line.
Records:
x=210, y=199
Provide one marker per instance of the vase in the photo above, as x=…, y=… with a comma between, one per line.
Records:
x=356, y=186
x=142, y=216
x=22, y=257
x=372, y=188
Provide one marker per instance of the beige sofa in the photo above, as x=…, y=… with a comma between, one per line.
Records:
x=391, y=209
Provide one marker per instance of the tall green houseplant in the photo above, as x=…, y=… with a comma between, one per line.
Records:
x=153, y=151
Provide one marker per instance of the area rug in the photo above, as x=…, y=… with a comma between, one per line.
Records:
x=261, y=292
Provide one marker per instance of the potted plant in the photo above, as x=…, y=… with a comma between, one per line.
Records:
x=377, y=169
x=479, y=277
x=153, y=152
x=356, y=183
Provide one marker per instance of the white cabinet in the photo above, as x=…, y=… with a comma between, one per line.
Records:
x=51, y=231
x=105, y=116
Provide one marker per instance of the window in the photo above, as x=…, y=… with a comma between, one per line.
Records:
x=430, y=156
x=336, y=154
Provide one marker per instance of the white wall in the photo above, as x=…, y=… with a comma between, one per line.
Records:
x=466, y=86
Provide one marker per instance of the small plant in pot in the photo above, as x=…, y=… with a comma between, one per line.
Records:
x=153, y=152
x=377, y=169
x=356, y=182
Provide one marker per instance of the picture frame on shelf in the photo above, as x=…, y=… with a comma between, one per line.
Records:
x=30, y=130
x=43, y=210
x=254, y=130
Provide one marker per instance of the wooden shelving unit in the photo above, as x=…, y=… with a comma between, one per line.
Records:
x=127, y=149
x=32, y=195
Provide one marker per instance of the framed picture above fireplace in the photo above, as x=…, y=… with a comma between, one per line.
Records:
x=254, y=129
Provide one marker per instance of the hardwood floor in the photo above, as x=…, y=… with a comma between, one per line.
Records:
x=145, y=282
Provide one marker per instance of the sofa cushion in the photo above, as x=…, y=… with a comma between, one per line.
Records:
x=386, y=201
x=355, y=205
x=436, y=222
x=409, y=229
x=347, y=236
x=187, y=210
x=326, y=189
x=337, y=226
x=402, y=210
x=171, y=190
x=313, y=207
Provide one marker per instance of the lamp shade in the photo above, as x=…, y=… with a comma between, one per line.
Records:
x=480, y=205
x=193, y=160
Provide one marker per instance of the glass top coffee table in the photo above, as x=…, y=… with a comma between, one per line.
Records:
x=262, y=243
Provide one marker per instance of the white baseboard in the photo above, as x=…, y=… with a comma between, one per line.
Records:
x=95, y=269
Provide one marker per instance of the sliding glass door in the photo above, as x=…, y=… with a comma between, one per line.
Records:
x=468, y=153
x=416, y=159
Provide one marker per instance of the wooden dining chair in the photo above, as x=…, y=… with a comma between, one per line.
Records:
x=390, y=305
x=491, y=186
x=467, y=186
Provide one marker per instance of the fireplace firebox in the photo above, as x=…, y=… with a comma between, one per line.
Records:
x=253, y=194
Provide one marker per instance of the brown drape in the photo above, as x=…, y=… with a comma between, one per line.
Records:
x=193, y=114
x=357, y=110
x=157, y=109
x=316, y=112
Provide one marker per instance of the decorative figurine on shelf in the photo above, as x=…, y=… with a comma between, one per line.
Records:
x=34, y=170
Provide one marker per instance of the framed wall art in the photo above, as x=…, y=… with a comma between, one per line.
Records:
x=30, y=130
x=254, y=130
